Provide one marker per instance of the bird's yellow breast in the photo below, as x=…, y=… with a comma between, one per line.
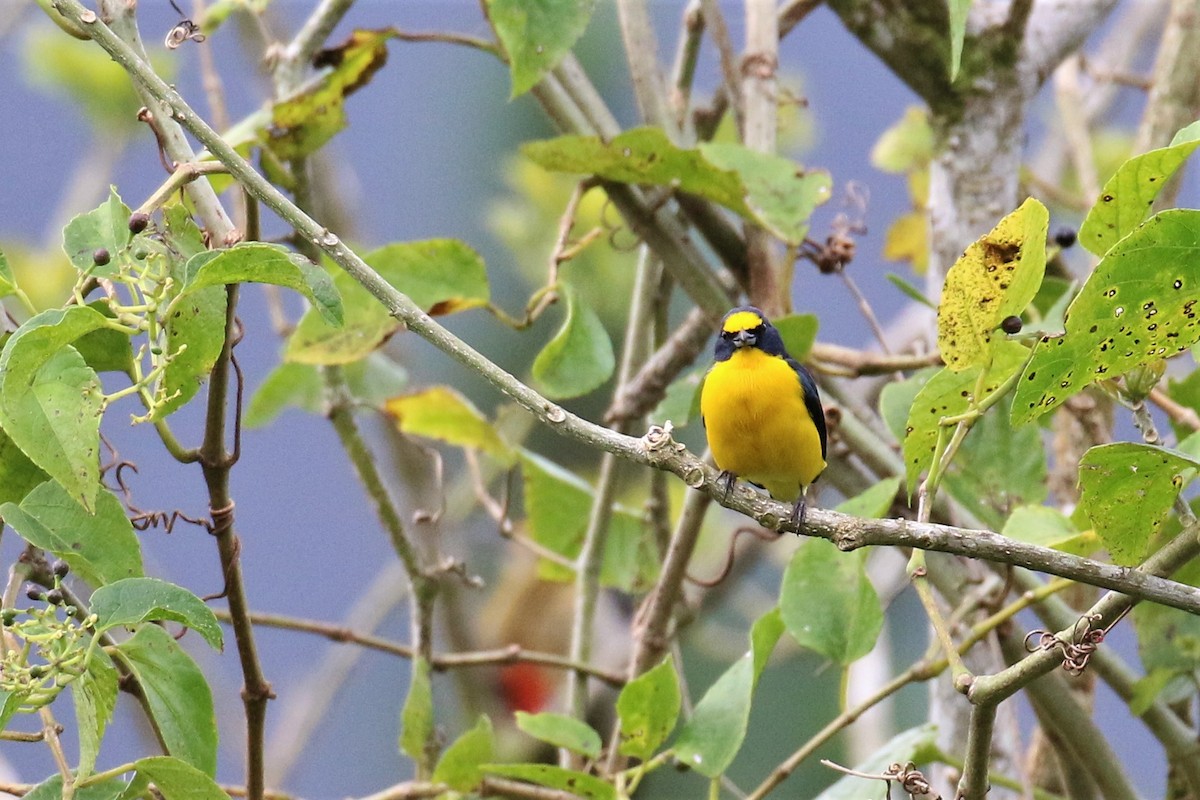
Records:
x=757, y=424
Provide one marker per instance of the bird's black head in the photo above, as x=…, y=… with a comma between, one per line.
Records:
x=746, y=326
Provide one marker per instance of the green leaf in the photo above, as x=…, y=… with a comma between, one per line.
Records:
x=178, y=697
x=7, y=284
x=536, y=34
x=681, y=402
x=303, y=122
x=580, y=784
x=18, y=475
x=711, y=739
x=1137, y=306
x=195, y=329
x=799, y=332
x=99, y=546
x=256, y=262
x=559, y=504
x=134, y=600
x=1127, y=491
x=107, y=227
x=959, y=9
x=51, y=400
x=1049, y=527
x=947, y=394
x=907, y=145
x=9, y=703
x=176, y=779
x=648, y=708
x=896, y=400
x=995, y=278
x=416, y=718
x=872, y=503
x=106, y=349
x=286, y=386
x=95, y=697
x=1129, y=194
x=1169, y=639
x=459, y=766
x=828, y=603
x=442, y=276
x=918, y=745
x=561, y=730
x=441, y=413
x=580, y=356
x=909, y=291
x=52, y=789
x=766, y=189
x=1147, y=688
x=997, y=468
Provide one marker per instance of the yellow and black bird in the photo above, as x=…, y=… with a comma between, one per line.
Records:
x=761, y=411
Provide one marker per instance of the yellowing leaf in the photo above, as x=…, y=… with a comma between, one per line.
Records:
x=443, y=414
x=906, y=145
x=907, y=239
x=996, y=278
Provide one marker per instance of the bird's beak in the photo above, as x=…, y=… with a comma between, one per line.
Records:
x=743, y=339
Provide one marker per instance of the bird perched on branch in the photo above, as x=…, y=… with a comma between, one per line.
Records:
x=761, y=411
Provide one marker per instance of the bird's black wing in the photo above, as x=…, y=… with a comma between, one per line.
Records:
x=812, y=400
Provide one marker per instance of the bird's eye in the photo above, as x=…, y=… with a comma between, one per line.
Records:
x=728, y=334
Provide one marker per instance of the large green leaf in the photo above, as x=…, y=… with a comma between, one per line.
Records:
x=176, y=779
x=459, y=766
x=177, y=696
x=441, y=413
x=994, y=279
x=828, y=603
x=135, y=600
x=561, y=730
x=873, y=502
x=1138, y=306
x=99, y=546
x=711, y=739
x=764, y=188
x=442, y=276
x=1129, y=194
x=95, y=697
x=18, y=475
x=918, y=745
x=578, y=784
x=648, y=708
x=104, y=227
x=263, y=263
x=1128, y=489
x=799, y=332
x=580, y=356
x=536, y=34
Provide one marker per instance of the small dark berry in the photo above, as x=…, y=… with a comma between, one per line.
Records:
x=35, y=593
x=54, y=597
x=1064, y=237
x=100, y=256
x=8, y=616
x=37, y=671
x=1011, y=325
x=61, y=568
x=138, y=222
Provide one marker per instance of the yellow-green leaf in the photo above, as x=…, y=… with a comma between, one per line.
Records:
x=441, y=413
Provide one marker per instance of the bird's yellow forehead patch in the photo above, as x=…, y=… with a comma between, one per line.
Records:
x=742, y=321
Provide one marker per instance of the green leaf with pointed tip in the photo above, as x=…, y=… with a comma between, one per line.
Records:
x=947, y=394
x=995, y=278
x=559, y=504
x=256, y=262
x=95, y=697
x=828, y=603
x=459, y=766
x=580, y=784
x=561, y=730
x=51, y=400
x=1127, y=491
x=1139, y=305
x=104, y=227
x=100, y=547
x=536, y=34
x=711, y=739
x=959, y=9
x=442, y=276
x=177, y=696
x=909, y=291
x=134, y=600
x=580, y=356
x=175, y=779
x=52, y=789
x=918, y=745
x=9, y=703
x=766, y=189
x=1049, y=527
x=872, y=503
x=441, y=413
x=648, y=708
x=799, y=332
x=416, y=718
x=1129, y=194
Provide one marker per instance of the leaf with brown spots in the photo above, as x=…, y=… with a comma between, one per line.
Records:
x=996, y=277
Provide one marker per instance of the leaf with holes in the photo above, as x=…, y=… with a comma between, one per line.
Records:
x=948, y=394
x=1129, y=194
x=1127, y=491
x=1140, y=304
x=995, y=278
x=536, y=34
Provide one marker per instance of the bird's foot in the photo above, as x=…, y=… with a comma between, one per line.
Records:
x=728, y=479
x=799, y=510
